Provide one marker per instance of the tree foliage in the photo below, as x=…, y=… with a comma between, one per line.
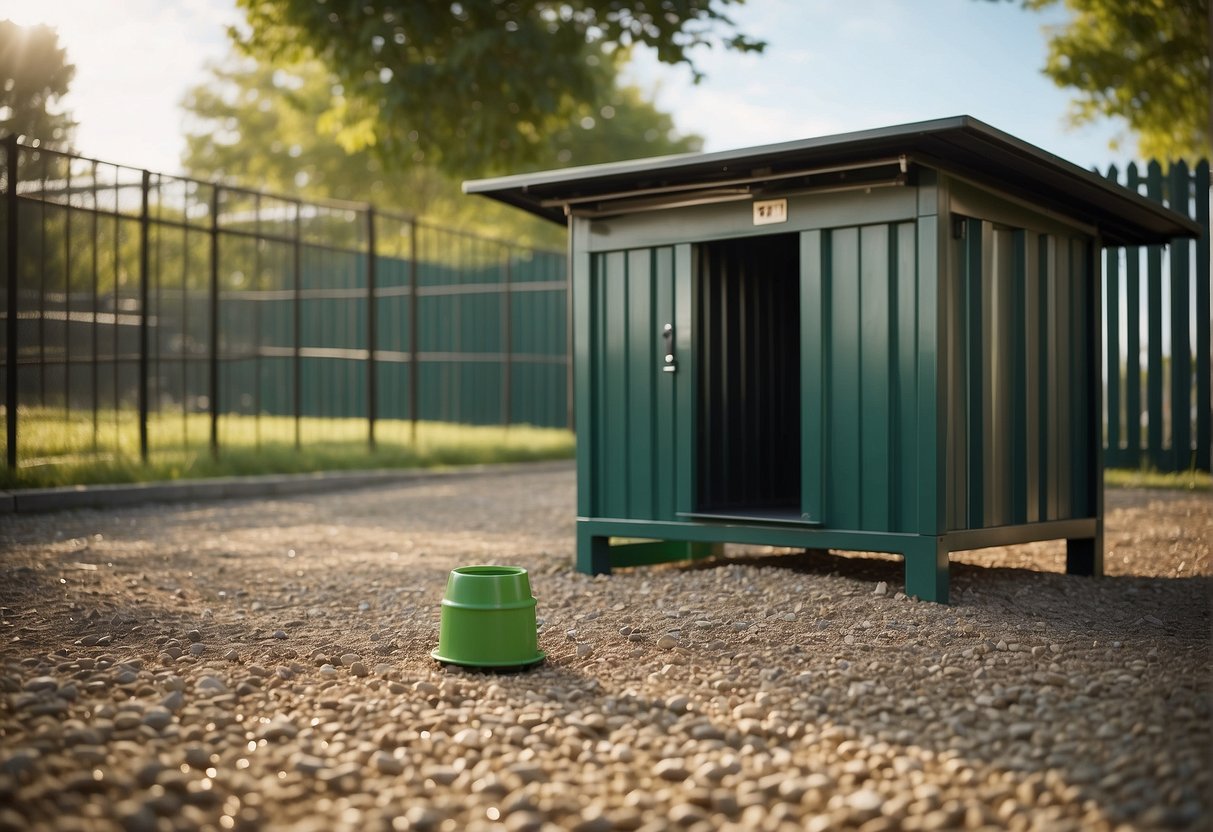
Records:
x=1146, y=61
x=34, y=74
x=476, y=86
x=286, y=129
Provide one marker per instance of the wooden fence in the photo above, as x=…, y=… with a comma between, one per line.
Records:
x=1156, y=333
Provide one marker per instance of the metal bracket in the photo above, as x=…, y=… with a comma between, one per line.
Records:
x=670, y=365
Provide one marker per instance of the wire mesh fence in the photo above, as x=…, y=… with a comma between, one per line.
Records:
x=145, y=313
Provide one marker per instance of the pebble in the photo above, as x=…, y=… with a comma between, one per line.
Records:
x=745, y=720
x=279, y=634
x=210, y=685
x=158, y=717
x=386, y=763
x=277, y=729
x=674, y=770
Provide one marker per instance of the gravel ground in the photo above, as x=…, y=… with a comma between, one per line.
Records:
x=265, y=664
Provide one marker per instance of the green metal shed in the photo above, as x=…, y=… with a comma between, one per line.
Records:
x=881, y=341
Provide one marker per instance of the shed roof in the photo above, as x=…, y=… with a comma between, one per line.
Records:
x=960, y=145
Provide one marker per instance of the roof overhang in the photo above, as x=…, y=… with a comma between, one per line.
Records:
x=962, y=146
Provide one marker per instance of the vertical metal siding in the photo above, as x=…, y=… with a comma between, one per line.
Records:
x=634, y=429
x=1019, y=407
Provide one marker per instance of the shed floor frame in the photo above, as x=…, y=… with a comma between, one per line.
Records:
x=926, y=556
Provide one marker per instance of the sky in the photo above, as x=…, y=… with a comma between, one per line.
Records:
x=830, y=67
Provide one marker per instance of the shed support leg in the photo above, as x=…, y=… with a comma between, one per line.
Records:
x=593, y=552
x=1084, y=556
x=926, y=565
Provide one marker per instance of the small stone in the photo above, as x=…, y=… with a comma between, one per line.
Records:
x=584, y=650
x=667, y=642
x=386, y=763
x=685, y=814
x=174, y=701
x=279, y=634
x=882, y=588
x=276, y=729
x=421, y=818
x=348, y=659
x=40, y=683
x=468, y=738
x=678, y=704
x=232, y=655
x=210, y=685
x=359, y=669
x=135, y=817
x=197, y=649
x=672, y=769
x=307, y=764
x=1021, y=730
x=865, y=802
x=158, y=717
x=194, y=636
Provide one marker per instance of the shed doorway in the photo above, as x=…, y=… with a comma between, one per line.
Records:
x=747, y=351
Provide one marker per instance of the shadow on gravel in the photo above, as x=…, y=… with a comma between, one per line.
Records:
x=1129, y=606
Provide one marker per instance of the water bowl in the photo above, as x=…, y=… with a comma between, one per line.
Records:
x=488, y=619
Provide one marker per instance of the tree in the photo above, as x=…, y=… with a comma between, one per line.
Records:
x=287, y=129
x=477, y=86
x=35, y=74
x=1146, y=61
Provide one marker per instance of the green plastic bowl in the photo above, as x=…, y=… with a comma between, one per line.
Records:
x=488, y=619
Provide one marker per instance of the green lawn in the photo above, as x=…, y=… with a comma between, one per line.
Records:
x=1131, y=478
x=58, y=450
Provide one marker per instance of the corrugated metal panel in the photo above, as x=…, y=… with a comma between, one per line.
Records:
x=633, y=430
x=1019, y=340
x=867, y=356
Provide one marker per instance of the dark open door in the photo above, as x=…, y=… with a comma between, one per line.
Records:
x=747, y=357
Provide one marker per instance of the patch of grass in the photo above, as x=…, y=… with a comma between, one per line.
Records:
x=58, y=449
x=1191, y=480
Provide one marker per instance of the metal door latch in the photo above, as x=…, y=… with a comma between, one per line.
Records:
x=670, y=366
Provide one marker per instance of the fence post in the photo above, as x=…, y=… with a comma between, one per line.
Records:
x=1203, y=407
x=1133, y=340
x=1155, y=454
x=1111, y=278
x=371, y=337
x=213, y=312
x=414, y=365
x=144, y=294
x=1181, y=349
x=297, y=268
x=11, y=152
x=507, y=337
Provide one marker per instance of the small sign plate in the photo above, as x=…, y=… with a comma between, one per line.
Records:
x=770, y=211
